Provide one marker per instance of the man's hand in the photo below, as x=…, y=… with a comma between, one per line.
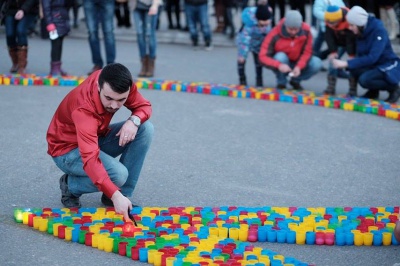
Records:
x=153, y=10
x=121, y=204
x=127, y=133
x=333, y=56
x=295, y=72
x=283, y=68
x=339, y=63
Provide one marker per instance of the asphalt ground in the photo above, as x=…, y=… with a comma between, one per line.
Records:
x=207, y=151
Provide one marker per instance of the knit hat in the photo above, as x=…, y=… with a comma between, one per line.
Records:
x=333, y=14
x=293, y=19
x=263, y=12
x=357, y=16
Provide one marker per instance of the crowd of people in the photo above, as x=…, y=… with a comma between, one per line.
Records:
x=284, y=44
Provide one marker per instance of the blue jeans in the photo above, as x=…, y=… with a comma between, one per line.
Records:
x=312, y=68
x=146, y=32
x=123, y=173
x=100, y=11
x=372, y=79
x=16, y=31
x=198, y=14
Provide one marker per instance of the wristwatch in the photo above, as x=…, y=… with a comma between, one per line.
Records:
x=135, y=119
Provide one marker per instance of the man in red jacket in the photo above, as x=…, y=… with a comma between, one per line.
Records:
x=85, y=146
x=287, y=50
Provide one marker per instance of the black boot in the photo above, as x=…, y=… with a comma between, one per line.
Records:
x=331, y=89
x=352, y=87
x=394, y=95
x=371, y=94
x=259, y=78
x=242, y=74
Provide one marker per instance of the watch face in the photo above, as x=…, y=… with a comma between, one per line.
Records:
x=136, y=121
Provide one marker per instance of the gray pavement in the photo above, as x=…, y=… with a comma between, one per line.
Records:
x=207, y=151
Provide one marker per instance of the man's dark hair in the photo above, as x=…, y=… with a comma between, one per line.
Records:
x=117, y=76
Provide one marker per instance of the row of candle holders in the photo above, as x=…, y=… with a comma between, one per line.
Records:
x=224, y=235
x=362, y=105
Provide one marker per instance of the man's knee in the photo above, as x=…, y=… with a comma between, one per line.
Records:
x=119, y=175
x=147, y=129
x=281, y=57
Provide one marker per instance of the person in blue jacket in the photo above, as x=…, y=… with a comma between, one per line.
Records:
x=256, y=25
x=56, y=16
x=375, y=66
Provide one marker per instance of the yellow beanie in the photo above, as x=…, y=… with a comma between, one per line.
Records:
x=333, y=14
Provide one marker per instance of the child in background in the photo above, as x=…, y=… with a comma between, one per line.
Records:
x=56, y=16
x=256, y=25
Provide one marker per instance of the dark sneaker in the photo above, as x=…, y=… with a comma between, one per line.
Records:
x=281, y=86
x=371, y=94
x=394, y=95
x=106, y=201
x=94, y=69
x=296, y=85
x=67, y=198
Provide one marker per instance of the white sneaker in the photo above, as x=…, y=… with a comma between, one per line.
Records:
x=209, y=47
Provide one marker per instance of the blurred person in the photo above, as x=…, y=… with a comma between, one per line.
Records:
x=256, y=25
x=122, y=13
x=94, y=154
x=145, y=15
x=197, y=13
x=100, y=12
x=339, y=38
x=376, y=67
x=56, y=16
x=287, y=51
x=389, y=18
x=282, y=9
x=173, y=5
x=15, y=21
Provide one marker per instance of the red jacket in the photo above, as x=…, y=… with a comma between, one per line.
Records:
x=81, y=119
x=298, y=48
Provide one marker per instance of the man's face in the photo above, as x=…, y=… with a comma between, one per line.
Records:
x=354, y=29
x=110, y=99
x=292, y=31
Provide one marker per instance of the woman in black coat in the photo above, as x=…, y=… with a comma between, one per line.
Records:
x=56, y=16
x=15, y=21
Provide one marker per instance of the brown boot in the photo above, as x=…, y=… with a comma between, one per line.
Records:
x=145, y=63
x=150, y=67
x=353, y=87
x=13, y=52
x=22, y=59
x=331, y=89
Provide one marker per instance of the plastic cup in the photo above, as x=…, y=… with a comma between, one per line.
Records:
x=300, y=237
x=358, y=239
x=386, y=238
x=368, y=238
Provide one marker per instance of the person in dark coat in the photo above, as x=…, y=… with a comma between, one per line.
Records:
x=375, y=66
x=56, y=15
x=339, y=40
x=15, y=21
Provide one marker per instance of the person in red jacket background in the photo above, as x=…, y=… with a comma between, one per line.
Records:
x=85, y=146
x=287, y=50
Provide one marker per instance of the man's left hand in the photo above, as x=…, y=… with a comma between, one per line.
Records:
x=295, y=72
x=127, y=133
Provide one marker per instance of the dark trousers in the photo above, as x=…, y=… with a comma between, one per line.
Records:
x=56, y=49
x=372, y=79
